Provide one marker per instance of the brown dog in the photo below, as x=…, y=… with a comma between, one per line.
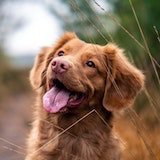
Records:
x=79, y=86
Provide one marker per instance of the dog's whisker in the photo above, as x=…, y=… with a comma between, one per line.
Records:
x=68, y=128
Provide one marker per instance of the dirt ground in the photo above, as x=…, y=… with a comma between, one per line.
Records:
x=15, y=117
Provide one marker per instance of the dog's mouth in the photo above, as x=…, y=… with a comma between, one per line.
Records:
x=60, y=99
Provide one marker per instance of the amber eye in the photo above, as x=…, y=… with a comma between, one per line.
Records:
x=90, y=64
x=60, y=53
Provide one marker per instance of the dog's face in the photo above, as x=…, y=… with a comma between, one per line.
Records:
x=75, y=74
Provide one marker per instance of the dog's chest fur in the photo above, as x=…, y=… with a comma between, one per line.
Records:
x=88, y=139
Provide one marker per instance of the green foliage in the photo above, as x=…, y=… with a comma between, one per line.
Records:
x=148, y=14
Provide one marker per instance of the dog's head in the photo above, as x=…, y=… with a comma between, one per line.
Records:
x=76, y=74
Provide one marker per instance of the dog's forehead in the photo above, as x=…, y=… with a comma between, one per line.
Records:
x=93, y=49
x=75, y=44
x=81, y=47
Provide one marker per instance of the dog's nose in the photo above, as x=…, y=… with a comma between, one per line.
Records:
x=60, y=66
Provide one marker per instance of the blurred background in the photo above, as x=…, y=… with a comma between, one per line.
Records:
x=28, y=25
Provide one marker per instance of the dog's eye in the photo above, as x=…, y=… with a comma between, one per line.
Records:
x=90, y=64
x=60, y=53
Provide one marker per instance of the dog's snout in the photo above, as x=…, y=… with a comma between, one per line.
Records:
x=60, y=66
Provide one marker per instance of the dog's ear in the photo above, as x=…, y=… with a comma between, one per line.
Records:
x=124, y=80
x=44, y=57
x=39, y=67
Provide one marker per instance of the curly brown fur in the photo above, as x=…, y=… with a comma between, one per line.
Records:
x=112, y=84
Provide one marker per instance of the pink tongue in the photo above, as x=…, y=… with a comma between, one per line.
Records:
x=55, y=99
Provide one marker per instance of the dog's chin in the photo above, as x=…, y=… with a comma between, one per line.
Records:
x=60, y=98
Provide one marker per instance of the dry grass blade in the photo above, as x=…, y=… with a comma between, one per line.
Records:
x=13, y=150
x=156, y=63
x=102, y=119
x=145, y=42
x=158, y=36
x=57, y=127
x=17, y=146
x=152, y=104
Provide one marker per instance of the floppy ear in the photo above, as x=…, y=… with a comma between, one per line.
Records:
x=39, y=67
x=43, y=58
x=124, y=82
